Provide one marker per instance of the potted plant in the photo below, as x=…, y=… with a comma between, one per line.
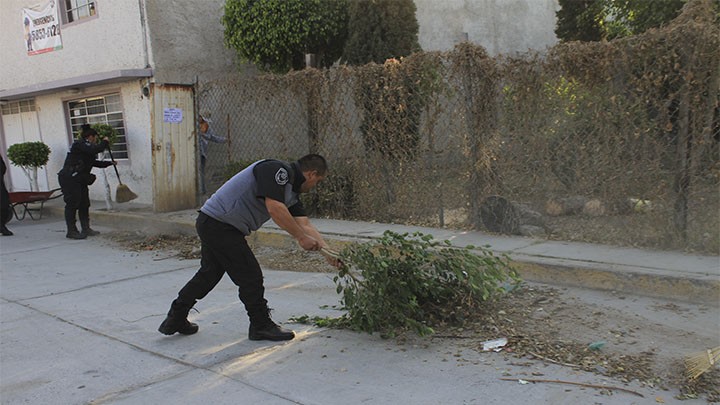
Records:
x=106, y=130
x=29, y=156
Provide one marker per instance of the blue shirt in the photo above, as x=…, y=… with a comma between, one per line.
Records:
x=207, y=137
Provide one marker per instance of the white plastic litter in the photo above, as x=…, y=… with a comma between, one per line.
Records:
x=495, y=344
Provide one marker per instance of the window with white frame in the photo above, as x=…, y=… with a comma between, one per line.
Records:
x=77, y=10
x=17, y=107
x=105, y=109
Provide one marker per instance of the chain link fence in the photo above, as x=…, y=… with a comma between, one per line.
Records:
x=609, y=142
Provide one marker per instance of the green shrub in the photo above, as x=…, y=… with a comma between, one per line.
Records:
x=411, y=282
x=106, y=130
x=29, y=154
x=275, y=35
x=379, y=30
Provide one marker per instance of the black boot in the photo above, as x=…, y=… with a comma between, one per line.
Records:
x=176, y=320
x=84, y=215
x=89, y=231
x=263, y=328
x=72, y=232
x=4, y=231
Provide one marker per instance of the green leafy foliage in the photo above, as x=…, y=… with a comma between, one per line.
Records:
x=594, y=20
x=379, y=30
x=106, y=130
x=29, y=154
x=631, y=17
x=412, y=282
x=576, y=21
x=276, y=34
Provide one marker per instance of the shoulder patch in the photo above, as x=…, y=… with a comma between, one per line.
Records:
x=281, y=177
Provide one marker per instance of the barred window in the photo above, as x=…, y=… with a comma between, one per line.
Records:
x=105, y=109
x=76, y=10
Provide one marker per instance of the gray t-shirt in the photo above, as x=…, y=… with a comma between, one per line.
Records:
x=240, y=202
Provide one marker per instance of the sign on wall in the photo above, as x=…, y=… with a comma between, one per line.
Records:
x=42, y=29
x=173, y=115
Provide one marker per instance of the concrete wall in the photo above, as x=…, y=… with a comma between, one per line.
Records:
x=500, y=26
x=186, y=38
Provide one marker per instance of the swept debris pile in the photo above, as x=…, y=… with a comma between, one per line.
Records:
x=553, y=326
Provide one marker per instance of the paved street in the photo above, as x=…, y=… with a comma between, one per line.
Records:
x=79, y=322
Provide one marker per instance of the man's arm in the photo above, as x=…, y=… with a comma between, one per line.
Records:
x=282, y=217
x=310, y=229
x=103, y=163
x=210, y=136
x=93, y=149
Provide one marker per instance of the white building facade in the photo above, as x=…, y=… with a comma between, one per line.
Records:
x=129, y=63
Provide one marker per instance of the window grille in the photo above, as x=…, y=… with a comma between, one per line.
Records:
x=105, y=109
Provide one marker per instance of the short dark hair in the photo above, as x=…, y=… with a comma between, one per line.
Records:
x=87, y=130
x=313, y=162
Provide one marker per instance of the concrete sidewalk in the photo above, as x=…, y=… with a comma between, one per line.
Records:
x=79, y=326
x=663, y=274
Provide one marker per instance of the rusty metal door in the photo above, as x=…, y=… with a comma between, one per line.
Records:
x=173, y=148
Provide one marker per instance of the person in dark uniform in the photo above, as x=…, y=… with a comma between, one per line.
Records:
x=265, y=189
x=75, y=177
x=5, y=207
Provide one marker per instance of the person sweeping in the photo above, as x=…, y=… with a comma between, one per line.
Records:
x=75, y=177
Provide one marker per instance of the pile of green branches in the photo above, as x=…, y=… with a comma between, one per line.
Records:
x=412, y=282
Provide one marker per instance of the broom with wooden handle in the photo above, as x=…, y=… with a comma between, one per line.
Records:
x=698, y=363
x=330, y=253
x=327, y=252
x=123, y=192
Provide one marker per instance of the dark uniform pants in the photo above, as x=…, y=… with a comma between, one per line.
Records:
x=225, y=250
x=77, y=199
x=5, y=207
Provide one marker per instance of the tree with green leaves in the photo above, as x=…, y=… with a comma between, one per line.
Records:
x=29, y=156
x=380, y=30
x=106, y=131
x=594, y=20
x=632, y=17
x=276, y=34
x=576, y=21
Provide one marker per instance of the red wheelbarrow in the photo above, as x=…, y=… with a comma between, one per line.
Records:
x=25, y=198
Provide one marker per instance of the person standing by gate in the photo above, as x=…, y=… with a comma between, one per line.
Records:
x=266, y=189
x=75, y=177
x=206, y=136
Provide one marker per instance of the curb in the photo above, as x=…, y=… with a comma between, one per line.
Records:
x=691, y=290
x=697, y=290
